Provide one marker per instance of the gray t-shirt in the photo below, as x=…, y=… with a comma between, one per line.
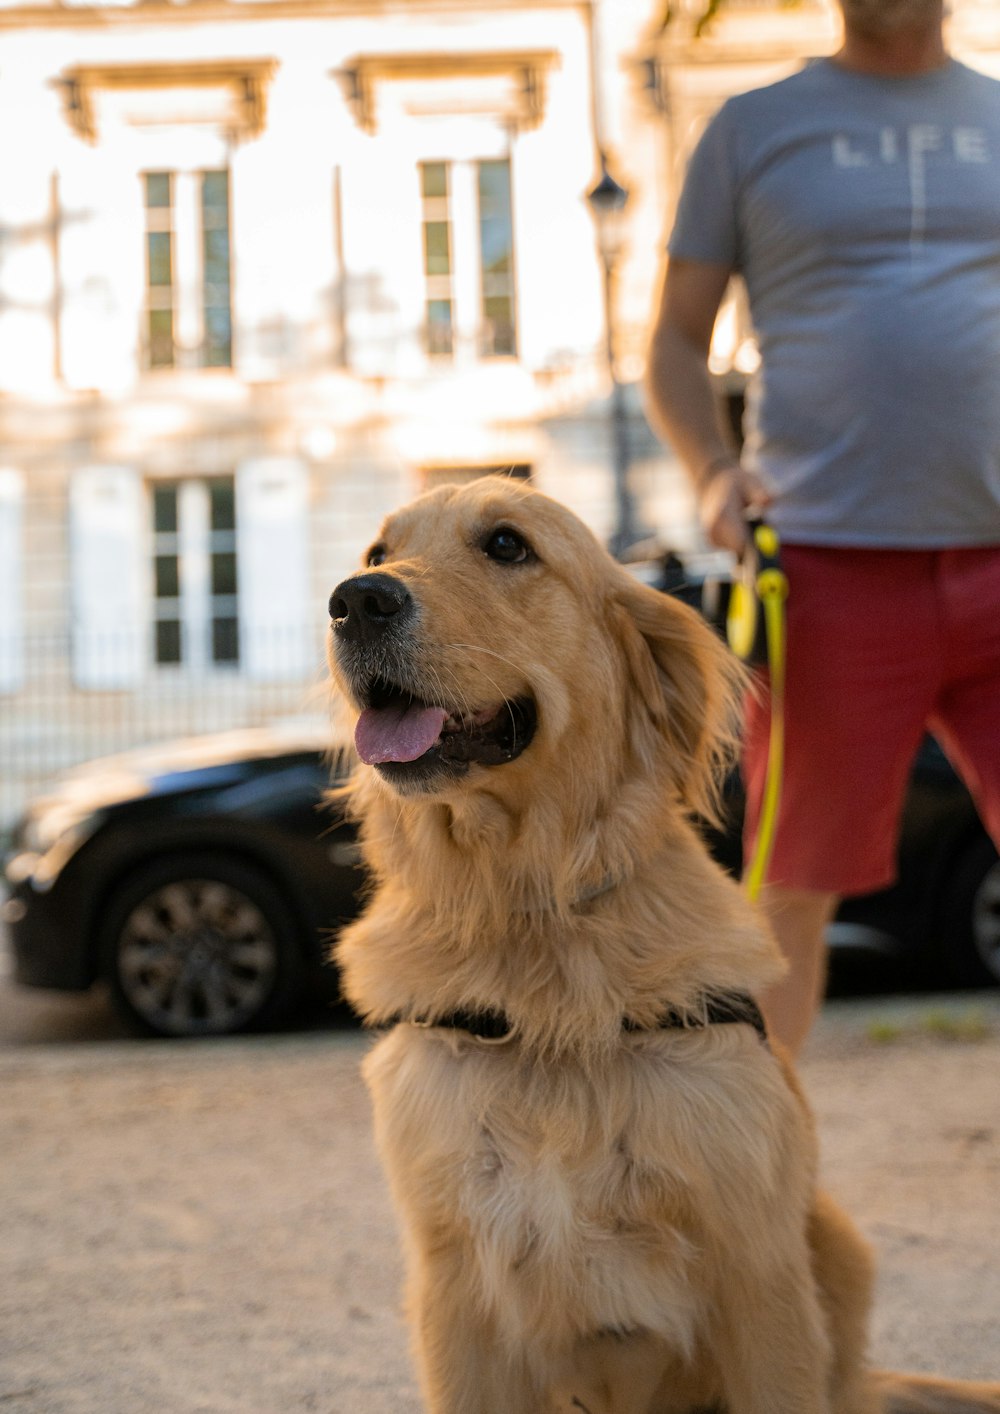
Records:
x=864, y=216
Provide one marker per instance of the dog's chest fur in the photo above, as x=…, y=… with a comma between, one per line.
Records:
x=609, y=1183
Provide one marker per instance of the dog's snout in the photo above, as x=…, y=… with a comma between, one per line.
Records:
x=367, y=604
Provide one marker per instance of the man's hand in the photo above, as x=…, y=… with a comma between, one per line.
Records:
x=724, y=500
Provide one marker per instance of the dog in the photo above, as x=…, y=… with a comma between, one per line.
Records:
x=604, y=1170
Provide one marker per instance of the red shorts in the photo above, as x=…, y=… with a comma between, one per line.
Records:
x=883, y=645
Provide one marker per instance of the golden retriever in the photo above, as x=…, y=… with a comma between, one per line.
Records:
x=605, y=1174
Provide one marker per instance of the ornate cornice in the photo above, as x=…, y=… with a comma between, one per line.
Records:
x=246, y=78
x=360, y=77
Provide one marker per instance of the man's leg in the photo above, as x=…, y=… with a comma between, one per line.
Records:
x=798, y=918
x=862, y=671
x=966, y=719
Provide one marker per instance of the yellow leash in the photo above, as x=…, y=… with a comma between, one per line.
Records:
x=755, y=628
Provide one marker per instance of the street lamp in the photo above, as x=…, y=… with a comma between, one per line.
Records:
x=607, y=202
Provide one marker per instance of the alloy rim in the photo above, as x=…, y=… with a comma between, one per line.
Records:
x=197, y=957
x=986, y=920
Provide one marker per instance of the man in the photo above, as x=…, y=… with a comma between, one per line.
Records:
x=860, y=201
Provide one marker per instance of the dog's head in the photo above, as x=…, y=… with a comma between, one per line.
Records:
x=490, y=639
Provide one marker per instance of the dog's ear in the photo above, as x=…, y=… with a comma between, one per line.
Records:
x=689, y=683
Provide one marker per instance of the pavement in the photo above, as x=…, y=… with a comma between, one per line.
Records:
x=198, y=1228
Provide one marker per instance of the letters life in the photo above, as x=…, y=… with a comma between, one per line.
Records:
x=889, y=145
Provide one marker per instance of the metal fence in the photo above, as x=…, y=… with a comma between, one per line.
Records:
x=50, y=724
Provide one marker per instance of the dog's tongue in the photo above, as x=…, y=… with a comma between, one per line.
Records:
x=397, y=733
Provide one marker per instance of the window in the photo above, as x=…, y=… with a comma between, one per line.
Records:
x=188, y=314
x=496, y=256
x=437, y=257
x=159, y=270
x=217, y=341
x=11, y=579
x=194, y=573
x=468, y=252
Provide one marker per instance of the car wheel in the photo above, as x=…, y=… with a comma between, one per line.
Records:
x=971, y=917
x=200, y=945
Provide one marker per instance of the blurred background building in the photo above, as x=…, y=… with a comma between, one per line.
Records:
x=269, y=267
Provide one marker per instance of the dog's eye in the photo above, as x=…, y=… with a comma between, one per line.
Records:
x=375, y=556
x=507, y=546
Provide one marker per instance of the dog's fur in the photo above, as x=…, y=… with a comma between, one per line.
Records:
x=599, y=1217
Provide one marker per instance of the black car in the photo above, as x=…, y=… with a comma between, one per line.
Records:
x=204, y=881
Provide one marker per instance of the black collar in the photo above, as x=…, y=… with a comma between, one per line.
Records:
x=721, y=1009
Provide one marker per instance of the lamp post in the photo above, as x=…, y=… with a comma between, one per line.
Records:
x=607, y=202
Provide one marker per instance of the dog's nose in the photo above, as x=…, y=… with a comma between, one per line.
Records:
x=364, y=606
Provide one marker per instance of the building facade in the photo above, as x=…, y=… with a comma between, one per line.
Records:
x=267, y=268
x=270, y=267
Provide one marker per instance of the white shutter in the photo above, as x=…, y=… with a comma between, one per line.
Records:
x=107, y=574
x=11, y=571
x=277, y=621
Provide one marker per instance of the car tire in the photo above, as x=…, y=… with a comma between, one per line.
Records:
x=970, y=919
x=200, y=945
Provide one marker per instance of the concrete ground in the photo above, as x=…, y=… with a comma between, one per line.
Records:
x=203, y=1228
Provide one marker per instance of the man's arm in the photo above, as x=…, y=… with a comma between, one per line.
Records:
x=682, y=402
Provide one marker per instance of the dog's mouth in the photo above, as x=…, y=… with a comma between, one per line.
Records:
x=399, y=730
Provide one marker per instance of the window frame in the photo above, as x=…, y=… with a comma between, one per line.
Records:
x=465, y=288
x=183, y=219
x=206, y=617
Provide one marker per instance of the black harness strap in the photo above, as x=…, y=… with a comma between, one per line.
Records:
x=726, y=1009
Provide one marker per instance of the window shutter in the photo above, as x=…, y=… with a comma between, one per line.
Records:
x=108, y=580
x=277, y=620
x=11, y=572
